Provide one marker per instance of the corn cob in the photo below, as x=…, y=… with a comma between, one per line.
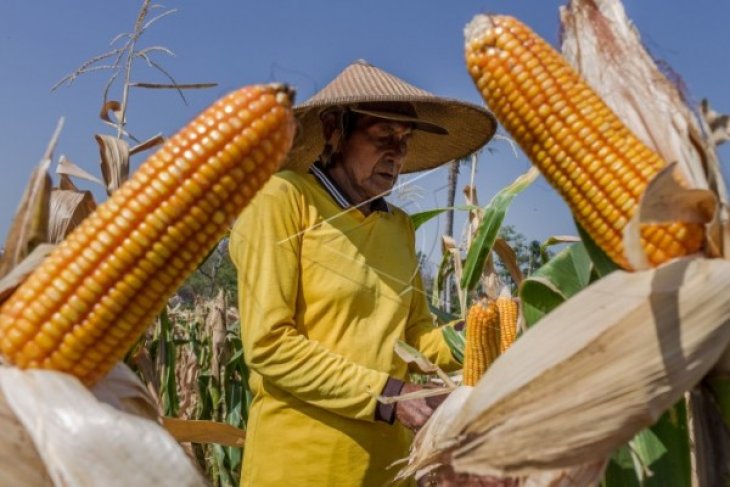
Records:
x=482, y=339
x=508, y=312
x=581, y=147
x=88, y=302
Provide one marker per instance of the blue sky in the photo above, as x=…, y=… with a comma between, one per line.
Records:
x=234, y=43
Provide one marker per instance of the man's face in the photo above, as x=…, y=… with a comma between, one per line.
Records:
x=373, y=155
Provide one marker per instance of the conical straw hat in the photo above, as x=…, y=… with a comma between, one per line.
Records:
x=363, y=87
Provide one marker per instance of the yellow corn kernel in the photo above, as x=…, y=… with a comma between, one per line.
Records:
x=508, y=313
x=502, y=51
x=99, y=290
x=482, y=339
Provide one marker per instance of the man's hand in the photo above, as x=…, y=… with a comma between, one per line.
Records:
x=413, y=413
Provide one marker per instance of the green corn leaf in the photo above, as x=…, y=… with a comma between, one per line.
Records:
x=602, y=263
x=168, y=385
x=456, y=342
x=720, y=387
x=656, y=456
x=488, y=230
x=442, y=317
x=422, y=217
x=562, y=277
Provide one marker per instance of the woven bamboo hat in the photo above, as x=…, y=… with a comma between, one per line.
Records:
x=446, y=129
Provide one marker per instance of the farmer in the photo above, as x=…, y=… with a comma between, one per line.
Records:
x=329, y=282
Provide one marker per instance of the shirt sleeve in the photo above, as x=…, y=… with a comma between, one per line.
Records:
x=265, y=247
x=422, y=334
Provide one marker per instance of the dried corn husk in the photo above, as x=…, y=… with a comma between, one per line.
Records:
x=19, y=460
x=596, y=370
x=85, y=442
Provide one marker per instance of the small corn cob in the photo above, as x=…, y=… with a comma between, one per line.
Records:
x=482, y=340
x=581, y=147
x=508, y=312
x=88, y=302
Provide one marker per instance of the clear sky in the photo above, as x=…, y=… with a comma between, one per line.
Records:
x=304, y=43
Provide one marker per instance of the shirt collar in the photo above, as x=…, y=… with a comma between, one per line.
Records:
x=320, y=172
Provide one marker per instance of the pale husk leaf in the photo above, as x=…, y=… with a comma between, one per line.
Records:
x=439, y=426
x=30, y=223
x=68, y=209
x=19, y=460
x=122, y=389
x=67, y=168
x=509, y=258
x=665, y=200
x=114, y=155
x=84, y=442
x=592, y=373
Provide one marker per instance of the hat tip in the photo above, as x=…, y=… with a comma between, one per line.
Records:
x=362, y=62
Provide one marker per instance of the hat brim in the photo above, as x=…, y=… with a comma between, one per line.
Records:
x=468, y=126
x=418, y=124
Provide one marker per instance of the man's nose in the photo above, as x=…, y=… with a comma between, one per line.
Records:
x=399, y=150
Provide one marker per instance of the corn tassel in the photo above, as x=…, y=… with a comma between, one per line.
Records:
x=482, y=340
x=508, y=312
x=581, y=147
x=85, y=306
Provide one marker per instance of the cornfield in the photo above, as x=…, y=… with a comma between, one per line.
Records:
x=604, y=363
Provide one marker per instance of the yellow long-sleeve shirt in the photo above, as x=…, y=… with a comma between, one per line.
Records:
x=324, y=294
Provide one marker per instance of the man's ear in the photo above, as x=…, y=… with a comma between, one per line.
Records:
x=332, y=128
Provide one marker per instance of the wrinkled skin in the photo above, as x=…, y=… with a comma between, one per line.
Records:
x=414, y=413
x=368, y=161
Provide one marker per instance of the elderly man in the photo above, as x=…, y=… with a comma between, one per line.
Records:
x=329, y=282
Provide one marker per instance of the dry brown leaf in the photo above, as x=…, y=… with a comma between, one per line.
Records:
x=187, y=371
x=114, y=161
x=411, y=356
x=68, y=209
x=204, y=431
x=509, y=258
x=475, y=215
x=113, y=107
x=153, y=141
x=718, y=124
x=30, y=224
x=17, y=275
x=215, y=324
x=598, y=369
x=67, y=168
